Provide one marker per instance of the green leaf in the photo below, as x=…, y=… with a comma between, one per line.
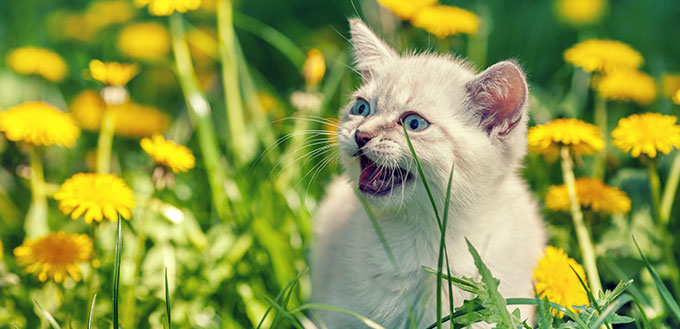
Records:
x=544, y=316
x=442, y=251
x=47, y=316
x=90, y=318
x=280, y=295
x=663, y=290
x=609, y=315
x=493, y=301
x=167, y=300
x=116, y=273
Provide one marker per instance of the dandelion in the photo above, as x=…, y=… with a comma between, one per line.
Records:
x=670, y=84
x=647, y=133
x=581, y=12
x=169, y=154
x=443, y=21
x=112, y=73
x=314, y=67
x=592, y=193
x=603, y=56
x=129, y=119
x=97, y=196
x=676, y=98
x=39, y=124
x=627, y=85
x=2, y=250
x=406, y=9
x=167, y=7
x=581, y=137
x=43, y=62
x=145, y=41
x=101, y=14
x=556, y=280
x=55, y=256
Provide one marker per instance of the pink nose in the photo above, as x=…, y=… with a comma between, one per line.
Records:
x=362, y=138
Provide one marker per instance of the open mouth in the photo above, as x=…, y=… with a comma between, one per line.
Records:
x=380, y=180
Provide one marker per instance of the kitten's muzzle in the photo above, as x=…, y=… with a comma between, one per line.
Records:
x=377, y=179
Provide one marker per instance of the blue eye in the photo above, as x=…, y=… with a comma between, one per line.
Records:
x=361, y=108
x=415, y=122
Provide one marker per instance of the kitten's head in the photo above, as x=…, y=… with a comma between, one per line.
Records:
x=453, y=115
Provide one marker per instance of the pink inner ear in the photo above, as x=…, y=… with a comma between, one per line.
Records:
x=501, y=92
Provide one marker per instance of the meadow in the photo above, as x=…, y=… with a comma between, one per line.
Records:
x=161, y=161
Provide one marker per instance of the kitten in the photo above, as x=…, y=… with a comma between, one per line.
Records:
x=454, y=116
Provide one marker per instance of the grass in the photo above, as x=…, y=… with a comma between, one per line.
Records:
x=235, y=241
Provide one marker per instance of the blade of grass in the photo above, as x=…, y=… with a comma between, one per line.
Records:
x=592, y=299
x=611, y=309
x=47, y=316
x=272, y=36
x=90, y=318
x=440, y=261
x=167, y=300
x=287, y=314
x=641, y=311
x=277, y=317
x=421, y=173
x=368, y=322
x=288, y=286
x=388, y=250
x=116, y=273
x=663, y=290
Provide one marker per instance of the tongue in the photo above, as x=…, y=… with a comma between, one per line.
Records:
x=376, y=180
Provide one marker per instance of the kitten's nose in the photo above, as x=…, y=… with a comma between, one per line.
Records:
x=362, y=138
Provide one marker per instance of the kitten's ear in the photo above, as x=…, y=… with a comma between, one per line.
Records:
x=369, y=51
x=498, y=97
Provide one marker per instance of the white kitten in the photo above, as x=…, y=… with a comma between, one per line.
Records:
x=454, y=116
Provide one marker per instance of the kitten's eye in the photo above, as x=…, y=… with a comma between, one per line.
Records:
x=361, y=108
x=415, y=122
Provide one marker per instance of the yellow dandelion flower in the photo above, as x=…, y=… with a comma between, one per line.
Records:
x=647, y=133
x=406, y=9
x=88, y=110
x=43, y=62
x=203, y=44
x=676, y=98
x=267, y=102
x=167, y=153
x=145, y=41
x=136, y=121
x=671, y=84
x=129, y=119
x=581, y=137
x=314, y=67
x=112, y=73
x=443, y=21
x=2, y=250
x=331, y=126
x=627, y=85
x=556, y=280
x=581, y=12
x=167, y=7
x=591, y=193
x=39, y=124
x=101, y=14
x=98, y=196
x=55, y=256
x=603, y=56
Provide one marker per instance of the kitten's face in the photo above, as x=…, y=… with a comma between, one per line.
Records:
x=452, y=116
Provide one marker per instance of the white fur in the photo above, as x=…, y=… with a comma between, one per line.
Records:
x=490, y=204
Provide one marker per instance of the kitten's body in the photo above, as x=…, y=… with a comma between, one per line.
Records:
x=477, y=123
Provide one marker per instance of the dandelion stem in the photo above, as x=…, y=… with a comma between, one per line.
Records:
x=105, y=143
x=670, y=189
x=582, y=234
x=241, y=144
x=655, y=186
x=601, y=121
x=36, y=219
x=199, y=111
